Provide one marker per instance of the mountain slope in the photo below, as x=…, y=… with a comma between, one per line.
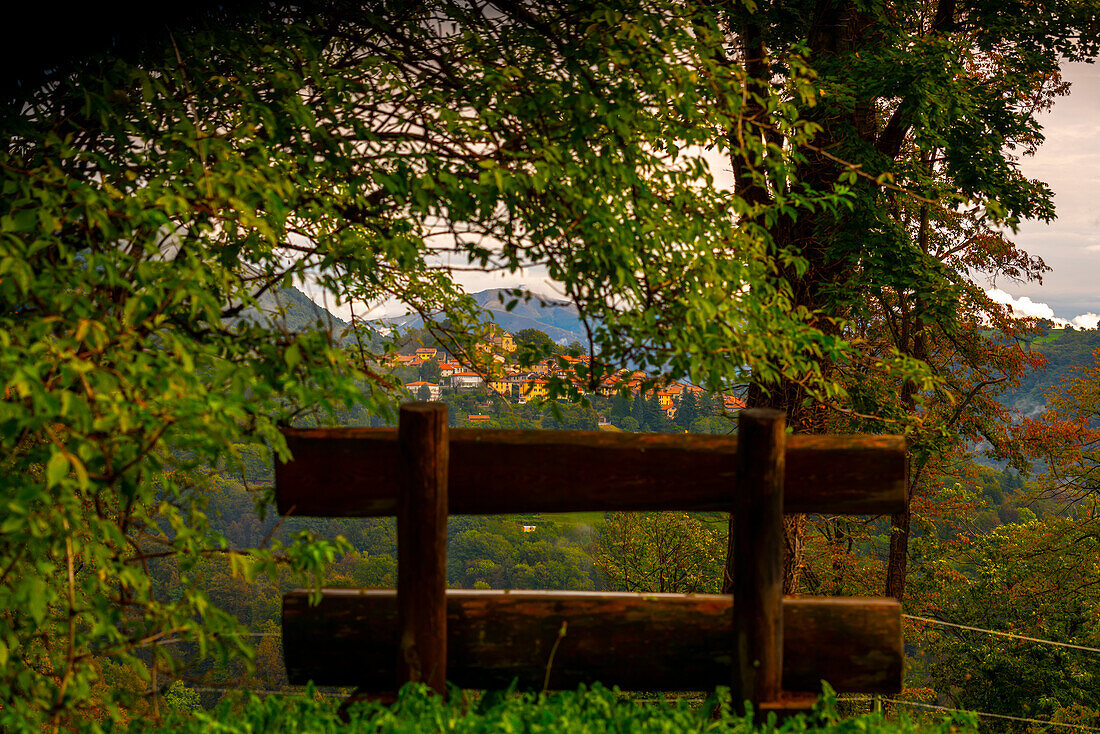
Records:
x=1065, y=350
x=291, y=310
x=557, y=319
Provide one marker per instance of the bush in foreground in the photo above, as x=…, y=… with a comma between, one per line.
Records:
x=593, y=710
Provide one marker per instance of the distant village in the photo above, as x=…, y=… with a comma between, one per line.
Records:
x=516, y=384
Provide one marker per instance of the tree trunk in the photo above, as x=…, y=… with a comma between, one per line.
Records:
x=794, y=526
x=794, y=551
x=835, y=27
x=898, y=563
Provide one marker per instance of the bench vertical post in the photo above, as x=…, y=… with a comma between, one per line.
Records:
x=758, y=558
x=422, y=545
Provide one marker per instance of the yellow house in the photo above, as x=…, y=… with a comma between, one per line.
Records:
x=532, y=390
x=664, y=399
x=503, y=341
x=501, y=386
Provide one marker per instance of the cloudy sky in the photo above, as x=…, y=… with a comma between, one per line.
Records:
x=1069, y=162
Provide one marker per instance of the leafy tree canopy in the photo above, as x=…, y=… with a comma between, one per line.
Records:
x=151, y=200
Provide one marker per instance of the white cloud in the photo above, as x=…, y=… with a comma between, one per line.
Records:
x=1024, y=307
x=1086, y=321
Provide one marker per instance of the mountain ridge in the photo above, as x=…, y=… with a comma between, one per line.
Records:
x=558, y=319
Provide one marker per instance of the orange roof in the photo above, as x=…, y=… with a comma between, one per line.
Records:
x=479, y=417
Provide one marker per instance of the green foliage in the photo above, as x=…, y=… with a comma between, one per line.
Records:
x=595, y=710
x=1037, y=579
x=687, y=412
x=149, y=203
x=496, y=553
x=180, y=698
x=662, y=552
x=1063, y=350
x=532, y=339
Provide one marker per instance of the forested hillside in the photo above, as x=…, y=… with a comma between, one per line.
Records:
x=1064, y=350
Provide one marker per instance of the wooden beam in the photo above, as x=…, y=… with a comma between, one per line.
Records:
x=758, y=559
x=354, y=472
x=652, y=642
x=422, y=546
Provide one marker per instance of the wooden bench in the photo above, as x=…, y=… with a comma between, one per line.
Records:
x=773, y=651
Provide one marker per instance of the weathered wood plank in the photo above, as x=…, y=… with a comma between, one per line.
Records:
x=422, y=546
x=354, y=472
x=758, y=558
x=647, y=642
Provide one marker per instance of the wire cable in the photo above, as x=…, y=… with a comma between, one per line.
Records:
x=1002, y=634
x=1082, y=727
x=276, y=692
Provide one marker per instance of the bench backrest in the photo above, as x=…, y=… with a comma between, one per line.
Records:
x=773, y=651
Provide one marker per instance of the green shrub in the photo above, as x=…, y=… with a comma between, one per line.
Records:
x=595, y=710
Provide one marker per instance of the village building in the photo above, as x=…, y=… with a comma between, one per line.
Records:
x=416, y=388
x=664, y=399
x=733, y=404
x=503, y=341
x=466, y=380
x=532, y=390
x=501, y=386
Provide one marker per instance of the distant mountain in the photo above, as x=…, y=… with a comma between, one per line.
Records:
x=294, y=311
x=557, y=319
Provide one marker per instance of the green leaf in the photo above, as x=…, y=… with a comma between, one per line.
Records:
x=56, y=469
x=293, y=356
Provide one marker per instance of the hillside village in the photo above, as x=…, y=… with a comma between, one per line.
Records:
x=499, y=373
